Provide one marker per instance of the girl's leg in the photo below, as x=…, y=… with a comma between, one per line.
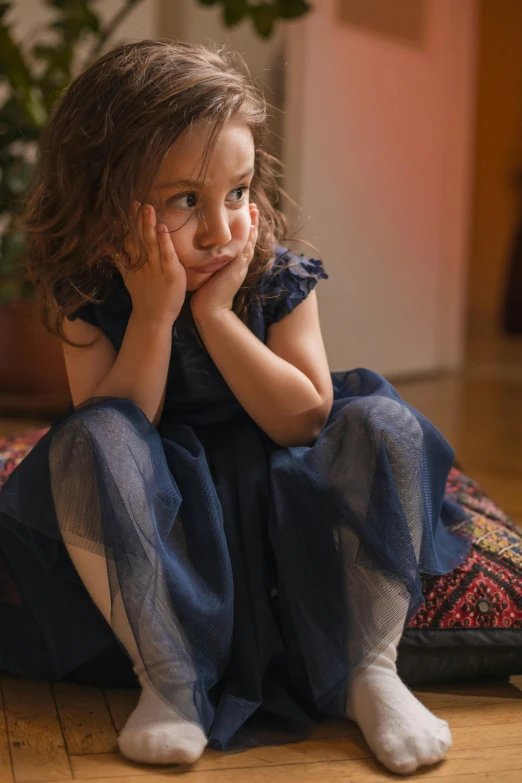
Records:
x=402, y=733
x=154, y=733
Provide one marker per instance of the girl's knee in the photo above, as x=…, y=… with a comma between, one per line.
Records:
x=376, y=418
x=101, y=428
x=103, y=417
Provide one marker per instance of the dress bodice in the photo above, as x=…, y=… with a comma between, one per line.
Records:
x=196, y=390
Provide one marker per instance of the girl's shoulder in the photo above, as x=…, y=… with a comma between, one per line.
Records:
x=116, y=302
x=111, y=315
x=289, y=280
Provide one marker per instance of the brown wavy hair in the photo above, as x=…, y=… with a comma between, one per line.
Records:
x=102, y=148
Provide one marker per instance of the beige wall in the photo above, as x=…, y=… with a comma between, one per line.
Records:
x=498, y=157
x=378, y=144
x=190, y=21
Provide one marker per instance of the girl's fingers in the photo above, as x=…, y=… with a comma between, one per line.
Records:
x=149, y=235
x=252, y=238
x=166, y=246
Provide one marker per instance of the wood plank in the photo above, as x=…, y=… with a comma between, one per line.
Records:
x=310, y=752
x=85, y=719
x=493, y=775
x=470, y=717
x=107, y=765
x=483, y=694
x=472, y=749
x=121, y=702
x=505, y=769
x=469, y=742
x=35, y=738
x=480, y=754
x=490, y=736
x=6, y=771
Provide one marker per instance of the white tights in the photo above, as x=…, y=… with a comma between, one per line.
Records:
x=402, y=732
x=154, y=733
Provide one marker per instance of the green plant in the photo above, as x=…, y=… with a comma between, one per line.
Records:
x=264, y=15
x=32, y=78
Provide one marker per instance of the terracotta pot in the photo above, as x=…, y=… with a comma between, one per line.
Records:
x=31, y=359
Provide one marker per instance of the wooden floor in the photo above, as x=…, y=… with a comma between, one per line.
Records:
x=60, y=732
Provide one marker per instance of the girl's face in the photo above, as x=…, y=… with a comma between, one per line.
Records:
x=210, y=219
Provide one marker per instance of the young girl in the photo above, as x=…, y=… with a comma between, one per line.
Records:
x=249, y=527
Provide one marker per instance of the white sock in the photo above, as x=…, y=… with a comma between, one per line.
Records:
x=402, y=733
x=155, y=733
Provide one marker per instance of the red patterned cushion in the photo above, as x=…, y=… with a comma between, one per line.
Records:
x=15, y=447
x=486, y=590
x=469, y=626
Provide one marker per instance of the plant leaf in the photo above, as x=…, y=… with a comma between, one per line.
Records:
x=77, y=20
x=16, y=122
x=12, y=63
x=234, y=11
x=264, y=16
x=57, y=75
x=290, y=9
x=35, y=106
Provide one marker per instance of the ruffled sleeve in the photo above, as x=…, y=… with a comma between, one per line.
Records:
x=88, y=312
x=110, y=315
x=288, y=282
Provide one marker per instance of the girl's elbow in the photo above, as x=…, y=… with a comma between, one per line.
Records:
x=298, y=439
x=303, y=435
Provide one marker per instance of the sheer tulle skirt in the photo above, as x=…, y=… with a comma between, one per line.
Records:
x=257, y=580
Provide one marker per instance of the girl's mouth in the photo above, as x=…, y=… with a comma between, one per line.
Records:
x=210, y=267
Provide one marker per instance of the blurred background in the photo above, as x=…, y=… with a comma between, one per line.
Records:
x=400, y=126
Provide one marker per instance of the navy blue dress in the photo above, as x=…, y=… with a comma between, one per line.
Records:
x=257, y=579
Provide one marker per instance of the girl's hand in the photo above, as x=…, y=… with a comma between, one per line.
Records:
x=159, y=288
x=218, y=292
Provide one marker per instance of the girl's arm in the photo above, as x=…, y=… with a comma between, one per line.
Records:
x=285, y=386
x=140, y=370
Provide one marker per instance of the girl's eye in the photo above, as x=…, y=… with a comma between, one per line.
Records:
x=242, y=187
x=192, y=196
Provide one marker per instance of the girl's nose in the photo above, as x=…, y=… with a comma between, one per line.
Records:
x=213, y=227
